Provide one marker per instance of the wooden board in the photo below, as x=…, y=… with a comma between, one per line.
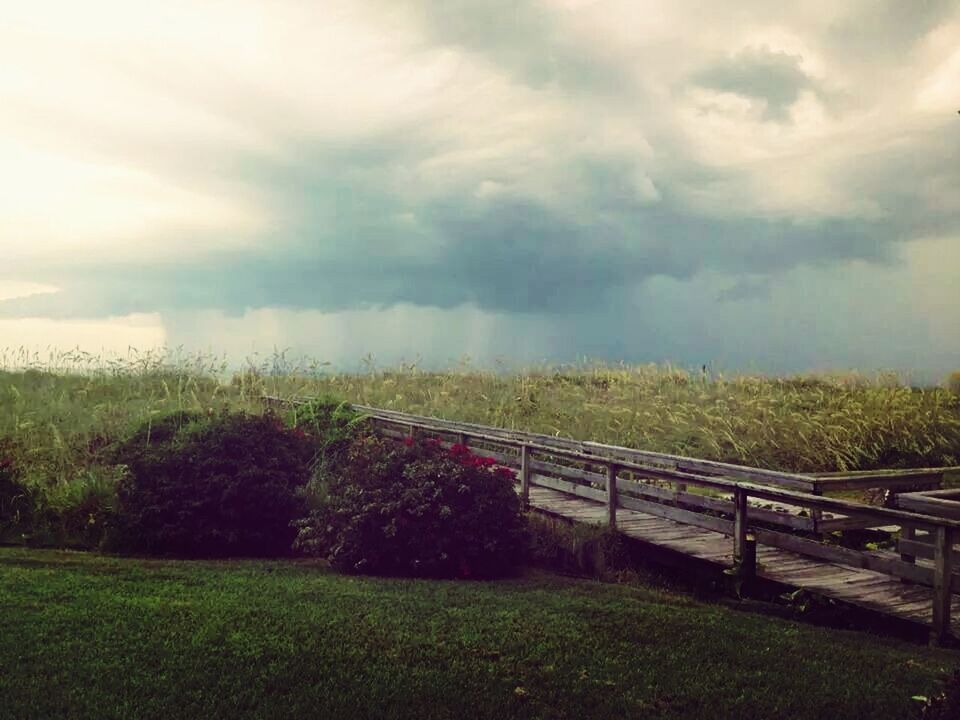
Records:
x=864, y=588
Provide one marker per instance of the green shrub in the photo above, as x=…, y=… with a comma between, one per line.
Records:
x=230, y=485
x=16, y=500
x=83, y=512
x=419, y=510
x=576, y=548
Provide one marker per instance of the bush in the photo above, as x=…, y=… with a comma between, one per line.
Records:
x=419, y=510
x=228, y=485
x=16, y=500
x=82, y=512
x=577, y=548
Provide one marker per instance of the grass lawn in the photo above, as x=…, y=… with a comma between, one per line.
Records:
x=88, y=636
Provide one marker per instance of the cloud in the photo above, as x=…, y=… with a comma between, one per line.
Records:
x=774, y=78
x=746, y=288
x=542, y=159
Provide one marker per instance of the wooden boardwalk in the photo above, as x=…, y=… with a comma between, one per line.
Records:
x=757, y=522
x=874, y=591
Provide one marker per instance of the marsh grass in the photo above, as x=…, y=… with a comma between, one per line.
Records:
x=807, y=423
x=58, y=412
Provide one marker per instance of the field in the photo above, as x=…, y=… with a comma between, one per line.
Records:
x=94, y=636
x=86, y=636
x=60, y=409
x=57, y=413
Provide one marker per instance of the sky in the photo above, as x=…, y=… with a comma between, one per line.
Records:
x=756, y=186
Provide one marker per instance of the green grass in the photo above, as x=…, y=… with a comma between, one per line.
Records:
x=87, y=636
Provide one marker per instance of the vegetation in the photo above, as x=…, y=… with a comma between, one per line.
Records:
x=582, y=549
x=803, y=423
x=60, y=415
x=418, y=510
x=16, y=505
x=86, y=636
x=944, y=705
x=95, y=451
x=332, y=426
x=953, y=382
x=227, y=485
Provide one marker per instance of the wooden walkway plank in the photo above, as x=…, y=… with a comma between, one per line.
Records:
x=874, y=591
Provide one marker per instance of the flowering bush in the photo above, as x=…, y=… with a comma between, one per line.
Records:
x=417, y=509
x=227, y=485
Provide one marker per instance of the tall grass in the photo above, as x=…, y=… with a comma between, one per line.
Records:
x=57, y=411
x=799, y=423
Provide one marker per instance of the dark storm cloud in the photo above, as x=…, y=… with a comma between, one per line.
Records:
x=746, y=288
x=355, y=225
x=499, y=254
x=776, y=78
x=341, y=246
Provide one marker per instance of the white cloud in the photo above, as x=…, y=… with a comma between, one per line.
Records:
x=107, y=337
x=10, y=289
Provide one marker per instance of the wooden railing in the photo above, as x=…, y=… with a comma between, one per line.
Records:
x=659, y=484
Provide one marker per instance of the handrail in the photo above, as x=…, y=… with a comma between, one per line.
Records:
x=765, y=492
x=790, y=479
x=775, y=475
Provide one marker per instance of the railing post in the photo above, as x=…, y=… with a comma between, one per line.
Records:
x=411, y=431
x=461, y=439
x=816, y=514
x=525, y=475
x=739, y=525
x=744, y=545
x=612, y=496
x=907, y=533
x=942, y=577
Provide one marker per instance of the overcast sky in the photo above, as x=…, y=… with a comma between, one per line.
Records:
x=749, y=184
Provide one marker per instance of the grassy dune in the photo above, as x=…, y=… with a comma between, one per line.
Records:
x=60, y=410
x=794, y=423
x=56, y=413
x=87, y=636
